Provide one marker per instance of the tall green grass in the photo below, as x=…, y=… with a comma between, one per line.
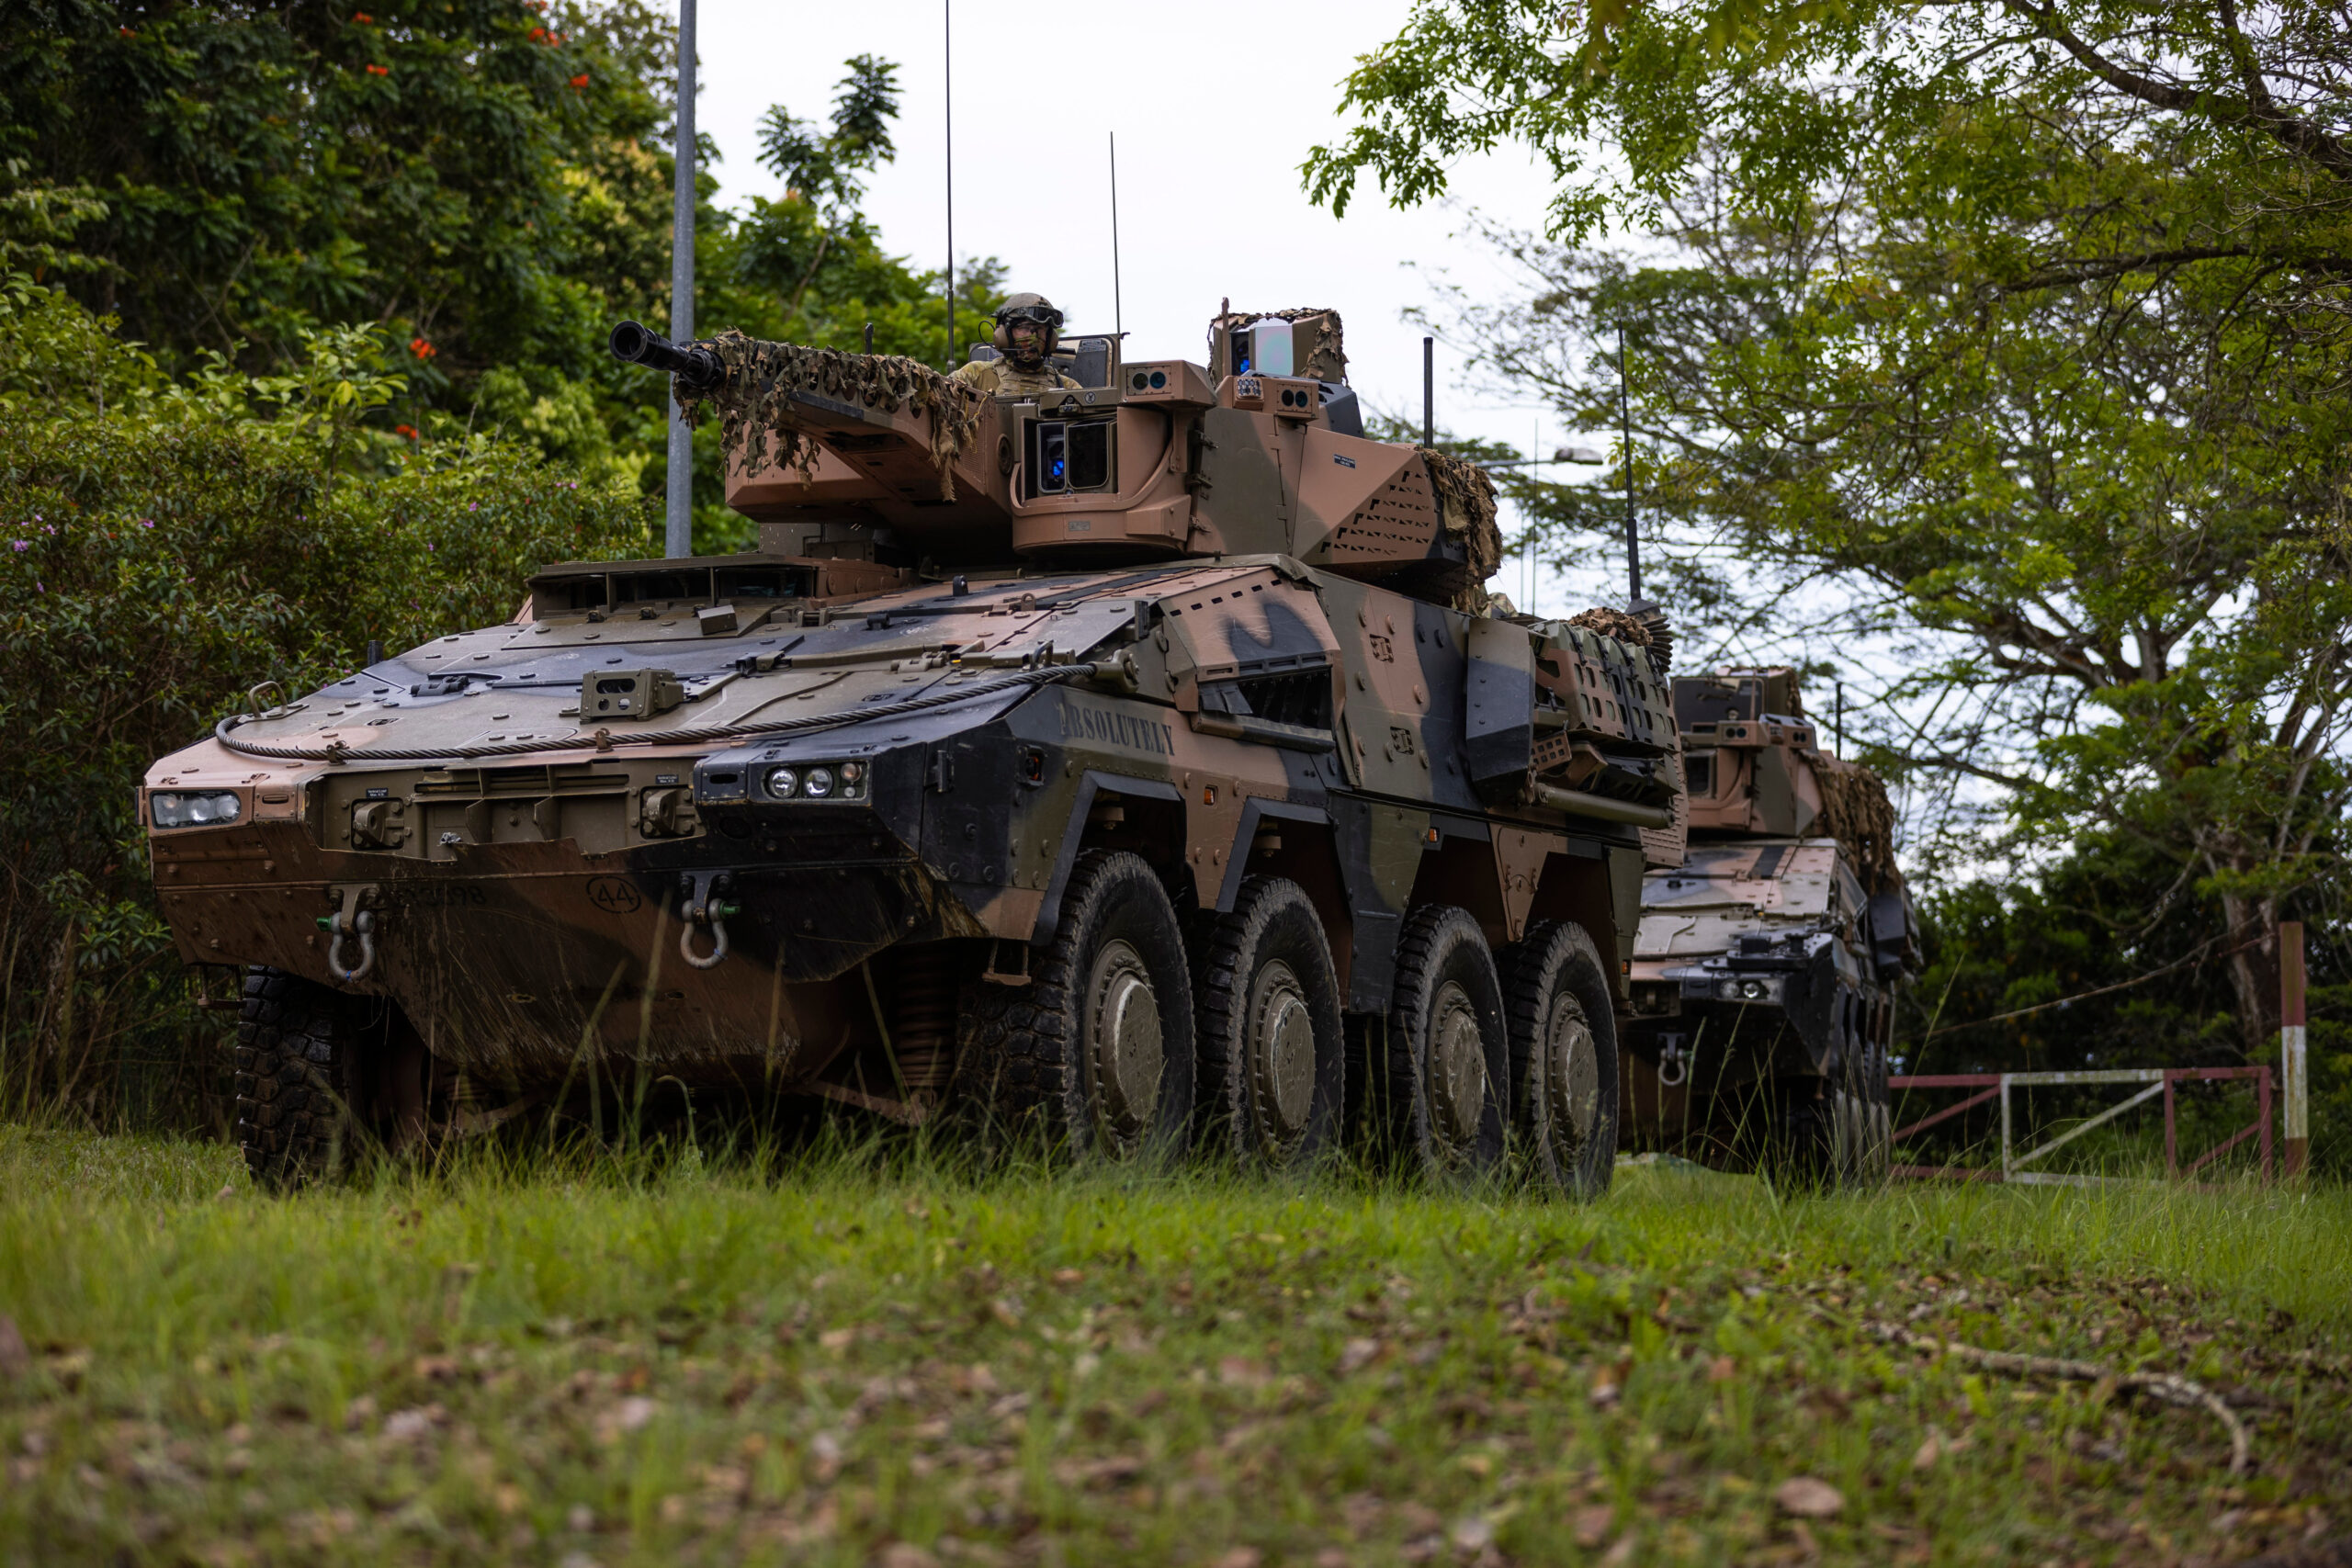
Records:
x=714, y=1357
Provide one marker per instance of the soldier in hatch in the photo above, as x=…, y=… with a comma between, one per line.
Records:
x=1027, y=328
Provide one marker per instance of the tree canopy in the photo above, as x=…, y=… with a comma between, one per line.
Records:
x=2013, y=335
x=486, y=181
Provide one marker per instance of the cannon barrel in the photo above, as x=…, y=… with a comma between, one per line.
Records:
x=697, y=368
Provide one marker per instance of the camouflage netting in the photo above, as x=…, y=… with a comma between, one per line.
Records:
x=1649, y=631
x=1329, y=360
x=1612, y=623
x=751, y=403
x=1466, y=502
x=1856, y=812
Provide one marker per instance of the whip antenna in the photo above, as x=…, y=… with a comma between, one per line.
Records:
x=678, y=531
x=947, y=60
x=1118, y=316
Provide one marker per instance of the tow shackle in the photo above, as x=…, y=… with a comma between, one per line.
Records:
x=351, y=920
x=699, y=896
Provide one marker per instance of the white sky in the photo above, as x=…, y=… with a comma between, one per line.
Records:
x=1215, y=105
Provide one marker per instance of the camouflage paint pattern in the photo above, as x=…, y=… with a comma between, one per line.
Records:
x=1772, y=952
x=1281, y=683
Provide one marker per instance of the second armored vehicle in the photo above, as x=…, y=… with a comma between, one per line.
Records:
x=1138, y=763
x=1765, y=971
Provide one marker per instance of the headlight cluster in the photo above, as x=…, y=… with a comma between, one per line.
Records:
x=818, y=781
x=1754, y=988
x=192, y=809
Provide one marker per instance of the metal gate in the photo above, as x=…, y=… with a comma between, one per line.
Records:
x=2012, y=1169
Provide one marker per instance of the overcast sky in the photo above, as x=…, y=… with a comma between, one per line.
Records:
x=1214, y=102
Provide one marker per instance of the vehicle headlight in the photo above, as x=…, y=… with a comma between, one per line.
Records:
x=782, y=782
x=819, y=782
x=192, y=809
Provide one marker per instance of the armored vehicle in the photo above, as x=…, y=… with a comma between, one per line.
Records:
x=1767, y=962
x=1142, y=765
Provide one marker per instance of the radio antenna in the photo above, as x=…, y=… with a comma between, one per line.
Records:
x=1625, y=413
x=678, y=521
x=947, y=63
x=1118, y=315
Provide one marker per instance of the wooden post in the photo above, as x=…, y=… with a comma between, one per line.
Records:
x=2293, y=1079
x=2172, y=1125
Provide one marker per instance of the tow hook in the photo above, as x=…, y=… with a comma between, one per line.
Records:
x=697, y=890
x=1673, y=1061
x=350, y=919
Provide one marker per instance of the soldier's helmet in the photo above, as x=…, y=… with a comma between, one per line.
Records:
x=1028, y=308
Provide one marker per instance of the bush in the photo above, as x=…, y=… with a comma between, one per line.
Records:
x=164, y=545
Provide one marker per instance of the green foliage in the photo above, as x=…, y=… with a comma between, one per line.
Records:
x=164, y=545
x=2108, y=959
x=2009, y=335
x=489, y=181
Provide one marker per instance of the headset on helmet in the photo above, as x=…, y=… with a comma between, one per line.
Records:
x=1028, y=308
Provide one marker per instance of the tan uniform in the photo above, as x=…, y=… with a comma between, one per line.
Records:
x=999, y=376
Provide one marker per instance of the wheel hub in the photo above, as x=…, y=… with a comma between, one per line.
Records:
x=1458, y=1065
x=1124, y=1040
x=1282, y=1051
x=1571, y=1072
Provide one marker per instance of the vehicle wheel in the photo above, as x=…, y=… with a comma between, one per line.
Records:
x=1865, y=1102
x=297, y=1080
x=1562, y=1056
x=1832, y=1131
x=1448, y=1052
x=1273, y=1055
x=1095, y=1053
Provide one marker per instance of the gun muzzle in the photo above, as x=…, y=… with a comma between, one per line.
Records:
x=697, y=370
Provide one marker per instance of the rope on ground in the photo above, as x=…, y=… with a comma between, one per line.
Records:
x=2161, y=1385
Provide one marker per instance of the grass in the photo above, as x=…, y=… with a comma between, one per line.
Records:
x=873, y=1356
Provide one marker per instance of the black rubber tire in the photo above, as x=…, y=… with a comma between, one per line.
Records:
x=1272, y=922
x=1442, y=961
x=296, y=1069
x=1024, y=1062
x=1554, y=979
x=1831, y=1131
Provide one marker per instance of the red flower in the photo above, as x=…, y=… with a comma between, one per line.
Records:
x=363, y=18
x=126, y=32
x=422, y=349
x=380, y=70
x=407, y=430
x=539, y=32
x=580, y=81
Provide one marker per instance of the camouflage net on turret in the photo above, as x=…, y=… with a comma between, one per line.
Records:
x=753, y=402
x=1465, y=501
x=1625, y=628
x=1856, y=812
x=1649, y=632
x=1329, y=360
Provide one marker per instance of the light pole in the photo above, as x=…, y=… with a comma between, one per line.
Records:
x=678, y=537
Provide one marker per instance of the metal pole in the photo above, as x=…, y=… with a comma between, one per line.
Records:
x=1625, y=416
x=1841, y=718
x=1118, y=311
x=678, y=535
x=947, y=63
x=1429, y=391
x=2292, y=1045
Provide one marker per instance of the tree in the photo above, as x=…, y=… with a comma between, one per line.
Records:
x=1982, y=335
x=165, y=544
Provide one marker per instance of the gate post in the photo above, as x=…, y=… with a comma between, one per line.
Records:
x=2292, y=1045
